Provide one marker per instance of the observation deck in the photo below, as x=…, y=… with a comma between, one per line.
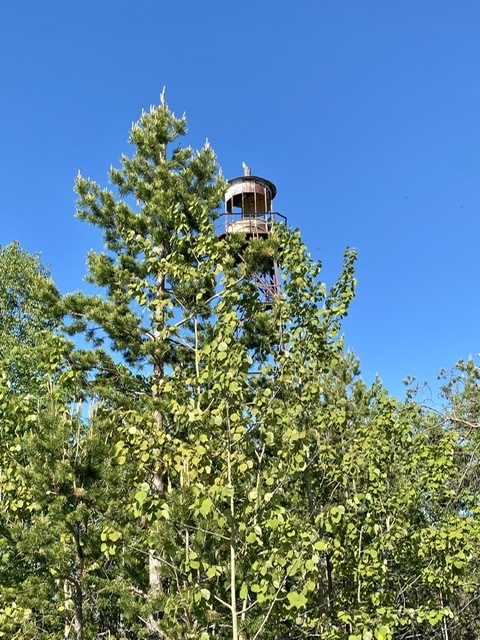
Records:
x=256, y=225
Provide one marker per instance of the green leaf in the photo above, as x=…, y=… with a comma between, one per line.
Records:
x=141, y=496
x=383, y=633
x=206, y=506
x=296, y=599
x=243, y=590
x=320, y=545
x=211, y=572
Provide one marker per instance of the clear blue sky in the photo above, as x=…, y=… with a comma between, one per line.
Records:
x=366, y=115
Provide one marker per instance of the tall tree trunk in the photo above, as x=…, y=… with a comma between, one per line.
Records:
x=445, y=633
x=233, y=543
x=73, y=587
x=159, y=478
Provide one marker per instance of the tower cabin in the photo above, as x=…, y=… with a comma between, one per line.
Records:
x=248, y=206
x=248, y=211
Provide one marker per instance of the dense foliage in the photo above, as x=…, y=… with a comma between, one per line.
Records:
x=200, y=466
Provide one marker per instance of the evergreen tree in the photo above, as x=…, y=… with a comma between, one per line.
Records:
x=159, y=274
x=26, y=322
x=58, y=577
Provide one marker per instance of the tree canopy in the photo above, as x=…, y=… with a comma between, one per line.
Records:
x=201, y=465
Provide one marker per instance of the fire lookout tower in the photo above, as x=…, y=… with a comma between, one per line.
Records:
x=248, y=211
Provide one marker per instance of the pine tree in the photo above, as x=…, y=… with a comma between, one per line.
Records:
x=158, y=236
x=159, y=275
x=26, y=324
x=58, y=576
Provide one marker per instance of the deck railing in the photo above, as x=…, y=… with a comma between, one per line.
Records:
x=252, y=225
